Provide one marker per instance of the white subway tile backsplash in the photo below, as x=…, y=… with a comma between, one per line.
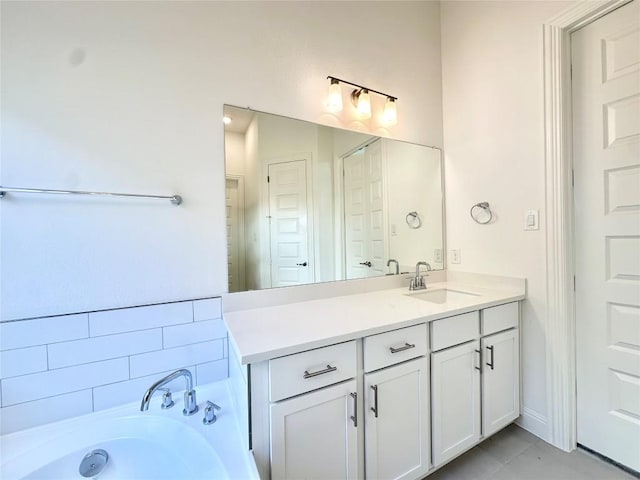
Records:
x=114, y=394
x=139, y=318
x=23, y=361
x=40, y=331
x=106, y=347
x=173, y=358
x=208, y=309
x=178, y=335
x=32, y=414
x=60, y=367
x=64, y=380
x=212, y=371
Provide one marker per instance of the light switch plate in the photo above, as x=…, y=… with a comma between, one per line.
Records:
x=455, y=256
x=437, y=255
x=531, y=220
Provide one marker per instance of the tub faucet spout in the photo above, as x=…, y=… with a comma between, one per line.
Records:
x=190, y=405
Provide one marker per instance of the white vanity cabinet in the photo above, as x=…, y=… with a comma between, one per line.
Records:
x=473, y=372
x=455, y=386
x=396, y=405
x=314, y=435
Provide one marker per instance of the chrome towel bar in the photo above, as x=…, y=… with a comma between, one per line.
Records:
x=175, y=199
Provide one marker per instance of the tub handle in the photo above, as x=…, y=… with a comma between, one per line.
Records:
x=209, y=413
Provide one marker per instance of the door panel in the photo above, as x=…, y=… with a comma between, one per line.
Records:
x=290, y=258
x=606, y=130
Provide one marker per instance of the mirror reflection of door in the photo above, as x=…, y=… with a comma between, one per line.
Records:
x=288, y=224
x=235, y=233
x=364, y=214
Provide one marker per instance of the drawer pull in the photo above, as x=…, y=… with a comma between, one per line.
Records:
x=354, y=417
x=374, y=409
x=406, y=346
x=329, y=369
x=490, y=363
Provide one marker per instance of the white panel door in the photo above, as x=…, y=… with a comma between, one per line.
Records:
x=397, y=421
x=606, y=130
x=455, y=400
x=365, y=214
x=314, y=437
x=288, y=226
x=500, y=380
x=235, y=234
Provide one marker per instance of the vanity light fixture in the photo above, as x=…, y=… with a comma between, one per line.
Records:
x=361, y=99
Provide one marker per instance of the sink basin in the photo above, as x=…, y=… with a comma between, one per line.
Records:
x=443, y=295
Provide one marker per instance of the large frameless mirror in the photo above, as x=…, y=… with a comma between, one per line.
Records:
x=308, y=203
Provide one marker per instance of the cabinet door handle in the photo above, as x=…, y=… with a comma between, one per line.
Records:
x=479, y=360
x=490, y=363
x=329, y=369
x=354, y=417
x=374, y=409
x=406, y=346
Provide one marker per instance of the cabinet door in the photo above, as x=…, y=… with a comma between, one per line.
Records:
x=397, y=424
x=455, y=400
x=313, y=435
x=500, y=382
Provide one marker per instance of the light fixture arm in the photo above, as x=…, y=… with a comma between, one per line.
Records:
x=391, y=97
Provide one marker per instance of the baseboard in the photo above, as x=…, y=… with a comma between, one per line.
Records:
x=535, y=423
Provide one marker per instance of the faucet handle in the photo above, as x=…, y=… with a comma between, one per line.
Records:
x=167, y=401
x=209, y=413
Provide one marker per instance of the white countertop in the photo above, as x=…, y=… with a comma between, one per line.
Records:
x=263, y=333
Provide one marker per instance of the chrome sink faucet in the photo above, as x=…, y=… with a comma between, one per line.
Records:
x=190, y=405
x=417, y=282
x=397, y=264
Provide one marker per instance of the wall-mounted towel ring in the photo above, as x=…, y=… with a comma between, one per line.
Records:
x=481, y=213
x=413, y=220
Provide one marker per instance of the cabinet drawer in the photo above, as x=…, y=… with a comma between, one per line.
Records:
x=394, y=347
x=306, y=371
x=502, y=317
x=454, y=330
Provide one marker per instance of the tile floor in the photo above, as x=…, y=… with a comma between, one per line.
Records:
x=515, y=454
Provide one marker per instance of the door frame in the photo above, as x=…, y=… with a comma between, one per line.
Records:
x=241, y=232
x=560, y=322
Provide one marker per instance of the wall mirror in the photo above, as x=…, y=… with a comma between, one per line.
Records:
x=309, y=203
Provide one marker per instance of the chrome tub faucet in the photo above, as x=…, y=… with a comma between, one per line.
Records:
x=393, y=260
x=190, y=405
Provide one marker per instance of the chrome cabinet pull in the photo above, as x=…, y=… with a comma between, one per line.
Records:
x=374, y=409
x=406, y=346
x=479, y=360
x=354, y=417
x=490, y=363
x=329, y=369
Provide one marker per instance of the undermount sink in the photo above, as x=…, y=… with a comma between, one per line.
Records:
x=443, y=295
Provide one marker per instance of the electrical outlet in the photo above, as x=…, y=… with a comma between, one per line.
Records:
x=455, y=256
x=437, y=255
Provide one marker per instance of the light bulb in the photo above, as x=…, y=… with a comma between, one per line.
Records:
x=226, y=120
x=335, y=96
x=364, y=104
x=390, y=114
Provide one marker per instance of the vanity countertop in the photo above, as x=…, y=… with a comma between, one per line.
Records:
x=264, y=333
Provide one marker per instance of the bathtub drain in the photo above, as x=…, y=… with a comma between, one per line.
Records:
x=93, y=463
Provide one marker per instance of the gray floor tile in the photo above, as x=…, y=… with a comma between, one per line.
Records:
x=508, y=443
x=476, y=464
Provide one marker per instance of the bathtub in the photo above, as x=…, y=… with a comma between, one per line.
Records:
x=156, y=444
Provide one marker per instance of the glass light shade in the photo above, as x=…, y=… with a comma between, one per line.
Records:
x=390, y=114
x=335, y=97
x=364, y=104
x=226, y=120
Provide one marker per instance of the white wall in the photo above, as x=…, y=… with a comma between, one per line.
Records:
x=494, y=149
x=127, y=96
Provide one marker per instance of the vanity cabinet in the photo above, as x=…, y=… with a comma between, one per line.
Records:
x=314, y=437
x=396, y=404
x=480, y=375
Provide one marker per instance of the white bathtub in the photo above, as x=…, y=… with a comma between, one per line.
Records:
x=156, y=444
